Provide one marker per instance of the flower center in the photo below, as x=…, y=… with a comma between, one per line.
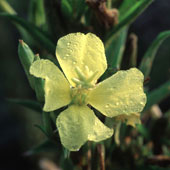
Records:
x=79, y=95
x=86, y=79
x=84, y=82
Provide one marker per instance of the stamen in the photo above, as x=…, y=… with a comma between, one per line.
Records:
x=80, y=74
x=76, y=81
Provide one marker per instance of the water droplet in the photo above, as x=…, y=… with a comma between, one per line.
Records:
x=71, y=50
x=68, y=44
x=74, y=45
x=107, y=106
x=64, y=58
x=74, y=147
x=74, y=62
x=117, y=103
x=67, y=55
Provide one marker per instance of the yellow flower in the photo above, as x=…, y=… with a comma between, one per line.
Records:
x=82, y=59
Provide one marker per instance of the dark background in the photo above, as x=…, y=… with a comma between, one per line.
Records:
x=17, y=132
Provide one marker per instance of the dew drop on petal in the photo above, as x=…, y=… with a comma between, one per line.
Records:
x=117, y=103
x=141, y=103
x=74, y=147
x=107, y=106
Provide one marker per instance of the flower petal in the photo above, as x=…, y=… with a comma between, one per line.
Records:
x=82, y=51
x=100, y=131
x=77, y=124
x=57, y=89
x=122, y=93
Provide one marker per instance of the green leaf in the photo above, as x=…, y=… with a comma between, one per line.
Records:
x=143, y=131
x=67, y=164
x=125, y=19
x=42, y=129
x=47, y=123
x=36, y=106
x=115, y=51
x=66, y=8
x=39, y=35
x=157, y=95
x=27, y=57
x=37, y=12
x=5, y=7
x=45, y=146
x=79, y=9
x=149, y=56
x=73, y=9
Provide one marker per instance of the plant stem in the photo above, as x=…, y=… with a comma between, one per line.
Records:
x=109, y=4
x=101, y=152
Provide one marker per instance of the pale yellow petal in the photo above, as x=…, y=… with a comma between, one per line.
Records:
x=84, y=51
x=77, y=124
x=120, y=94
x=57, y=88
x=100, y=131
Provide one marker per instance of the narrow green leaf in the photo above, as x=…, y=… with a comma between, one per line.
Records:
x=37, y=12
x=149, y=56
x=143, y=131
x=129, y=16
x=115, y=51
x=66, y=8
x=66, y=153
x=27, y=57
x=79, y=9
x=157, y=95
x=42, y=129
x=67, y=164
x=47, y=123
x=36, y=106
x=39, y=35
x=5, y=7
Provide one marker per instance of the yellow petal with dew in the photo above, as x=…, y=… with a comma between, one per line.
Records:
x=77, y=124
x=83, y=53
x=57, y=88
x=120, y=94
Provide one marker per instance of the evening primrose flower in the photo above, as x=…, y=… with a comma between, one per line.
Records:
x=82, y=59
